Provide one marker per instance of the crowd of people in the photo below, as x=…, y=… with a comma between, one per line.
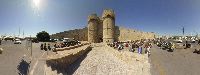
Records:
x=165, y=45
x=133, y=45
x=46, y=47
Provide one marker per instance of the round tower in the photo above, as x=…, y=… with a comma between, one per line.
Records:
x=92, y=28
x=108, y=25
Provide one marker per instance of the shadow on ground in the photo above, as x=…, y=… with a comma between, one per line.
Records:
x=69, y=69
x=74, y=66
x=23, y=67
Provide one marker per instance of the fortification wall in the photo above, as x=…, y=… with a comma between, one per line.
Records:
x=121, y=34
x=125, y=34
x=78, y=34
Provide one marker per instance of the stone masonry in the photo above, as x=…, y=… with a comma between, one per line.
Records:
x=103, y=29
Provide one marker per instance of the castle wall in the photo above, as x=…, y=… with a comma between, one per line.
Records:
x=78, y=34
x=125, y=34
x=104, y=29
x=121, y=34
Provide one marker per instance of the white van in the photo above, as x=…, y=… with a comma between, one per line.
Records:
x=17, y=41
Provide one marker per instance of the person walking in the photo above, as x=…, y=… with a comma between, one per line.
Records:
x=199, y=41
x=45, y=47
x=140, y=49
x=148, y=51
x=41, y=47
x=49, y=47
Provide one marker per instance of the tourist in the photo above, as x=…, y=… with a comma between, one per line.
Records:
x=148, y=51
x=141, y=49
x=115, y=45
x=173, y=46
x=199, y=41
x=54, y=48
x=146, y=47
x=41, y=47
x=198, y=52
x=49, y=47
x=45, y=47
x=120, y=47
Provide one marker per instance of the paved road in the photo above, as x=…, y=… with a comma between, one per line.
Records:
x=11, y=57
x=11, y=60
x=179, y=62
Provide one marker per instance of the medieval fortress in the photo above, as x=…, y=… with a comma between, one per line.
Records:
x=103, y=29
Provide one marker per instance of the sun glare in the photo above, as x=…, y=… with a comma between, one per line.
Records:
x=36, y=3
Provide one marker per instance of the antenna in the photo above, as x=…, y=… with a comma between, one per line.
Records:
x=183, y=30
x=19, y=32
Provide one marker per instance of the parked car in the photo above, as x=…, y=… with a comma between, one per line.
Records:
x=17, y=41
x=179, y=41
x=193, y=41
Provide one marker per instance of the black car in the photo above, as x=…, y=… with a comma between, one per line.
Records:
x=35, y=41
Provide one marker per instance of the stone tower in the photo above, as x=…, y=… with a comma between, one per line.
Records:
x=108, y=25
x=93, y=28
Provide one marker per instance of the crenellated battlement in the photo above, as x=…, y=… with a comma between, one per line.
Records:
x=108, y=12
x=92, y=17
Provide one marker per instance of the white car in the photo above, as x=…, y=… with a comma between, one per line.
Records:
x=18, y=41
x=193, y=41
x=179, y=41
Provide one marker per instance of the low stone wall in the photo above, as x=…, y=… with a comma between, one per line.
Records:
x=61, y=61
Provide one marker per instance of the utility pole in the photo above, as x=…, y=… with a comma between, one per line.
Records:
x=31, y=46
x=23, y=34
x=19, y=32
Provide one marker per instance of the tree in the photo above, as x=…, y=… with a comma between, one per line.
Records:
x=43, y=36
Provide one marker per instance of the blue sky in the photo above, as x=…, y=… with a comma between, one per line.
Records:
x=53, y=16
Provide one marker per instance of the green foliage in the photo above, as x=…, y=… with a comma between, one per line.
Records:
x=43, y=36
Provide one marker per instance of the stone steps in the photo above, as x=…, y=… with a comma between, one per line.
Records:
x=57, y=63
